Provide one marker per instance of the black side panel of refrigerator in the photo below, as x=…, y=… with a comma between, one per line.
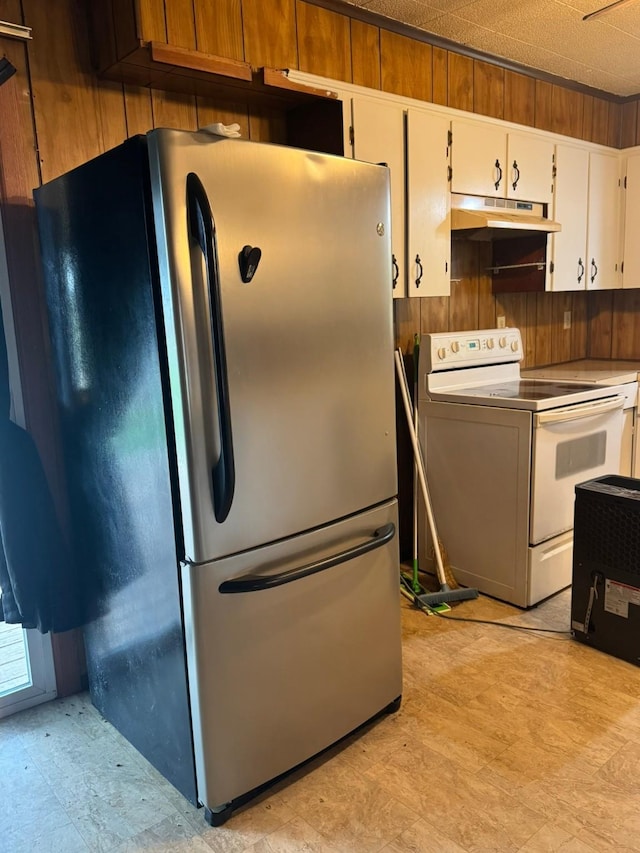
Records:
x=98, y=253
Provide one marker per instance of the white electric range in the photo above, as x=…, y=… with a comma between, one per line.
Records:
x=503, y=457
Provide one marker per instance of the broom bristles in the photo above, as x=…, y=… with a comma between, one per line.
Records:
x=449, y=579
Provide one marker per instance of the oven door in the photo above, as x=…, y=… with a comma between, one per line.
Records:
x=570, y=445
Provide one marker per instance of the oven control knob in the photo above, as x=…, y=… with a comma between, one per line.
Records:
x=490, y=343
x=455, y=346
x=514, y=346
x=502, y=342
x=442, y=352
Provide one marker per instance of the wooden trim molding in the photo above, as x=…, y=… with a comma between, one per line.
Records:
x=177, y=69
x=15, y=31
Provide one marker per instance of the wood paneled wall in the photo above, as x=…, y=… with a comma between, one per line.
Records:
x=56, y=114
x=76, y=116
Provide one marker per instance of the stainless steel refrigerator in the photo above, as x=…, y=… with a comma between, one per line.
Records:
x=221, y=329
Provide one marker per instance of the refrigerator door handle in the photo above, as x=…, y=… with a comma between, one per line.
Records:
x=202, y=228
x=254, y=583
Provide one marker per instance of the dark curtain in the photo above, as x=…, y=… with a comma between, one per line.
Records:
x=36, y=573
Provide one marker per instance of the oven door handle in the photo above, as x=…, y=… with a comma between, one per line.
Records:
x=574, y=413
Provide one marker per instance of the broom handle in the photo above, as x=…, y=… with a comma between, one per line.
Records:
x=419, y=465
x=416, y=350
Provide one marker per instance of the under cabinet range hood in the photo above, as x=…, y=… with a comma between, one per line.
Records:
x=486, y=218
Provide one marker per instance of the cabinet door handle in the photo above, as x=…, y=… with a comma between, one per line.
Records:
x=395, y=271
x=517, y=171
x=594, y=270
x=420, y=271
x=499, y=168
x=580, y=270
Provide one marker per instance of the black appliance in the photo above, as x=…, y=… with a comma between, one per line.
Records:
x=605, y=600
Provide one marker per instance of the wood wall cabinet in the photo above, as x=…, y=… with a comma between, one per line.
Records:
x=631, y=231
x=488, y=160
x=167, y=46
x=428, y=204
x=378, y=137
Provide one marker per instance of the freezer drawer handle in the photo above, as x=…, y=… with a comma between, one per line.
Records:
x=253, y=583
x=202, y=229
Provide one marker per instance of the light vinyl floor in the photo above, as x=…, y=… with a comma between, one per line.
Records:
x=506, y=741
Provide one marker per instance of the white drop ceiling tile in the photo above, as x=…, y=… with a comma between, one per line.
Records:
x=585, y=6
x=592, y=42
x=624, y=17
x=520, y=19
x=620, y=56
x=448, y=5
x=406, y=11
x=437, y=6
x=457, y=29
x=532, y=56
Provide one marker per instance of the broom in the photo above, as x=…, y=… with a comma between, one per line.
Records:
x=446, y=592
x=452, y=583
x=416, y=358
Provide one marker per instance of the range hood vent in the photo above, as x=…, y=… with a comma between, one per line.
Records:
x=485, y=218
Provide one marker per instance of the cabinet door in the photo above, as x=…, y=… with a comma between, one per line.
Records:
x=631, y=254
x=478, y=159
x=378, y=137
x=428, y=205
x=603, y=222
x=569, y=246
x=529, y=168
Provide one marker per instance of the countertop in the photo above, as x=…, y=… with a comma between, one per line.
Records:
x=602, y=371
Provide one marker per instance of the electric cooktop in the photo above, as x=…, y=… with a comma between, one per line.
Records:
x=533, y=394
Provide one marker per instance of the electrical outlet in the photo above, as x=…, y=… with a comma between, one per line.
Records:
x=567, y=320
x=501, y=321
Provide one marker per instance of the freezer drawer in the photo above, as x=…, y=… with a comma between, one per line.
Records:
x=281, y=672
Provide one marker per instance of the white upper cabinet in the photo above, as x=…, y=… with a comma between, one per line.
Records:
x=488, y=160
x=603, y=222
x=428, y=204
x=478, y=159
x=530, y=167
x=378, y=137
x=586, y=253
x=568, y=247
x=631, y=245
